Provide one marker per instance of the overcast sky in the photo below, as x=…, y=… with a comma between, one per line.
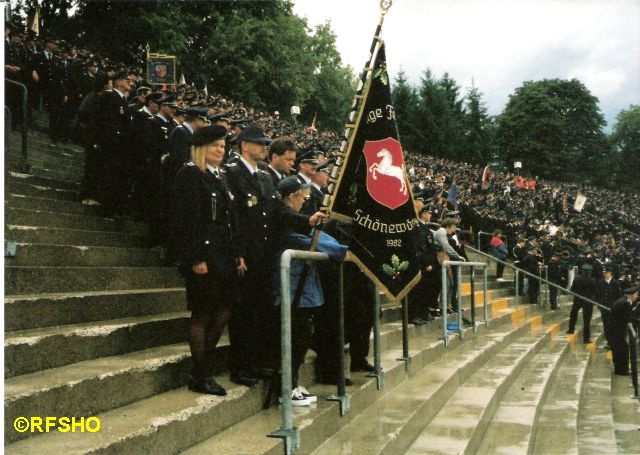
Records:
x=498, y=43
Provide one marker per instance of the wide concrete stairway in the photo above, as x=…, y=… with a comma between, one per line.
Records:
x=94, y=326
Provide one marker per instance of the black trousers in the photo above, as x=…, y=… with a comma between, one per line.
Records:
x=359, y=305
x=619, y=348
x=553, y=297
x=587, y=312
x=534, y=290
x=253, y=324
x=606, y=324
x=499, y=269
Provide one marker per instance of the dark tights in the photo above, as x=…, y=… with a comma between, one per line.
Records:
x=205, y=329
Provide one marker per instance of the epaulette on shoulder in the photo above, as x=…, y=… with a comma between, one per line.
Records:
x=264, y=173
x=190, y=163
x=230, y=165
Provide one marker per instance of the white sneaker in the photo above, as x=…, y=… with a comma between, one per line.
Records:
x=305, y=393
x=297, y=399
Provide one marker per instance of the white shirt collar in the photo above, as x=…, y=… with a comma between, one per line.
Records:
x=214, y=170
x=146, y=109
x=119, y=93
x=248, y=165
x=316, y=186
x=306, y=179
x=187, y=126
x=162, y=117
x=279, y=175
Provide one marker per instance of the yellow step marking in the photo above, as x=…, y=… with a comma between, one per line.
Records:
x=517, y=317
x=609, y=356
x=535, y=323
x=497, y=306
x=553, y=329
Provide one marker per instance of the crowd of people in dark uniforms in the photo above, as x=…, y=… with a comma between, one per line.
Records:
x=225, y=188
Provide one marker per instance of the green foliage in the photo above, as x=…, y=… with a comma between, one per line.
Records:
x=625, y=139
x=555, y=128
x=405, y=104
x=259, y=53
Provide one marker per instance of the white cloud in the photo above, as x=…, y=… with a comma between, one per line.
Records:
x=498, y=43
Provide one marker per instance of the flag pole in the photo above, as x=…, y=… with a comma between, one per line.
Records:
x=345, y=146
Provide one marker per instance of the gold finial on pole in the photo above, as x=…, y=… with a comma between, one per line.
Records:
x=384, y=6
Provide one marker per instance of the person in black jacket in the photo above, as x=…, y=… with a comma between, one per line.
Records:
x=423, y=300
x=608, y=292
x=584, y=285
x=202, y=224
x=256, y=205
x=624, y=311
x=113, y=136
x=532, y=263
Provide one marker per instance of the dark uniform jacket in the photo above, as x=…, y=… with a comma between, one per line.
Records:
x=585, y=286
x=425, y=248
x=258, y=211
x=113, y=126
x=622, y=313
x=52, y=74
x=608, y=293
x=179, y=148
x=202, y=221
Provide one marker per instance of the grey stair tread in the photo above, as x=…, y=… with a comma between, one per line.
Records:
x=460, y=424
x=556, y=430
x=41, y=181
x=32, y=280
x=52, y=347
x=28, y=217
x=18, y=200
x=162, y=423
x=596, y=427
x=626, y=415
x=66, y=236
x=43, y=254
x=62, y=295
x=511, y=428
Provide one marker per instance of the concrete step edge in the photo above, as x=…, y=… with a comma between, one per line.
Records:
x=547, y=418
x=398, y=436
x=313, y=424
x=521, y=426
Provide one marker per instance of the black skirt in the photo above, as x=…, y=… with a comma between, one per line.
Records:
x=209, y=291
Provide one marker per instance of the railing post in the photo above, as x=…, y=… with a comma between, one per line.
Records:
x=443, y=304
x=633, y=357
x=287, y=431
x=458, y=285
x=546, y=292
x=378, y=374
x=517, y=273
x=405, y=333
x=341, y=395
x=472, y=286
x=485, y=277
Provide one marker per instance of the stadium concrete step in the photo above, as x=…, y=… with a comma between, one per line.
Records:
x=34, y=280
x=626, y=415
x=509, y=431
x=461, y=423
x=26, y=217
x=21, y=201
x=64, y=390
x=36, y=254
x=320, y=421
x=63, y=236
x=54, y=161
x=15, y=178
x=25, y=312
x=556, y=428
x=93, y=386
x=596, y=427
x=34, y=350
x=27, y=188
x=72, y=176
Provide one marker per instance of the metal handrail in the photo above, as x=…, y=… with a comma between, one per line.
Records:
x=542, y=280
x=25, y=125
x=443, y=298
x=287, y=432
x=502, y=236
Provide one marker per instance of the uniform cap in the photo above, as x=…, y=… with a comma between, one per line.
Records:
x=290, y=185
x=208, y=134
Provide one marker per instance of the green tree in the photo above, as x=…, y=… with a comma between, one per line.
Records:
x=330, y=99
x=625, y=139
x=555, y=128
x=478, y=129
x=405, y=103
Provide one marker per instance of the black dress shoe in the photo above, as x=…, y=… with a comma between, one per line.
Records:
x=243, y=378
x=366, y=367
x=417, y=321
x=569, y=332
x=208, y=385
x=622, y=373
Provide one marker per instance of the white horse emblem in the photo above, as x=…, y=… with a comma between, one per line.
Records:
x=386, y=167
